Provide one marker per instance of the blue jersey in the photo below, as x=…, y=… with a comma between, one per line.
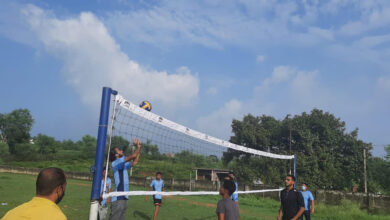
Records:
x=234, y=196
x=307, y=197
x=108, y=186
x=157, y=186
x=121, y=177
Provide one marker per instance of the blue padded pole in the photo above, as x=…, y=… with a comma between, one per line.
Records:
x=295, y=171
x=101, y=142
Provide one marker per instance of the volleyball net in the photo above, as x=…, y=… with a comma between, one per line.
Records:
x=175, y=149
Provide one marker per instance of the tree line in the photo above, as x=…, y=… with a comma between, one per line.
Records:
x=328, y=157
x=16, y=142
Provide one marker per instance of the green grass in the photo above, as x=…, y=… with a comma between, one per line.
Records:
x=16, y=189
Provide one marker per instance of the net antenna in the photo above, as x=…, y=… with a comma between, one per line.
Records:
x=166, y=143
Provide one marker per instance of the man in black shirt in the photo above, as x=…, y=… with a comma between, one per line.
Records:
x=292, y=204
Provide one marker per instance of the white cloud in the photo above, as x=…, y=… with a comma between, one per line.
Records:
x=93, y=59
x=279, y=74
x=219, y=23
x=373, y=15
x=212, y=91
x=384, y=83
x=218, y=123
x=260, y=58
x=321, y=33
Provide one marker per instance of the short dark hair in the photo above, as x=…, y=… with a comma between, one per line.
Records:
x=306, y=184
x=292, y=177
x=231, y=172
x=158, y=172
x=49, y=179
x=112, y=155
x=229, y=186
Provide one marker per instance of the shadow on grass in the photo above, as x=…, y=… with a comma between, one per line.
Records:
x=141, y=214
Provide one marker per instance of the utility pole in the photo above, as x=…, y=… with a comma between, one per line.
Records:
x=365, y=169
x=365, y=177
x=290, y=137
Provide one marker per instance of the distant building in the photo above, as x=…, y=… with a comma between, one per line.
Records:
x=211, y=174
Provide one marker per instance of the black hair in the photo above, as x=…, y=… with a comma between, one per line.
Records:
x=158, y=172
x=229, y=186
x=112, y=155
x=306, y=184
x=49, y=179
x=292, y=177
x=104, y=168
x=231, y=172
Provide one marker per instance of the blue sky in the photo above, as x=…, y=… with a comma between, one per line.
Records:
x=200, y=63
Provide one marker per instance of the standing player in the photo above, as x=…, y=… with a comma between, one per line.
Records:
x=309, y=201
x=292, y=205
x=157, y=185
x=103, y=207
x=234, y=196
x=226, y=207
x=120, y=165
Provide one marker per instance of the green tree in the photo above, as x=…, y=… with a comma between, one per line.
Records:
x=15, y=127
x=328, y=156
x=68, y=145
x=378, y=175
x=26, y=151
x=88, y=146
x=119, y=142
x=150, y=150
x=387, y=149
x=46, y=144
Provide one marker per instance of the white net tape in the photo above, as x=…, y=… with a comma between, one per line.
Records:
x=192, y=133
x=180, y=193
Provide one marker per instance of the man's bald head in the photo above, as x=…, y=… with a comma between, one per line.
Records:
x=48, y=180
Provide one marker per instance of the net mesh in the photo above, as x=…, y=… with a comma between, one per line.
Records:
x=177, y=150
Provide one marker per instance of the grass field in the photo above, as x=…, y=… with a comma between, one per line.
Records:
x=16, y=189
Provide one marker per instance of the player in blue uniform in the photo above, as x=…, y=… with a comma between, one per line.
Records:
x=157, y=185
x=309, y=201
x=234, y=196
x=120, y=164
x=103, y=206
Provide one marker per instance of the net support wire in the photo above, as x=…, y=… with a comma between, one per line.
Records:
x=192, y=133
x=181, y=193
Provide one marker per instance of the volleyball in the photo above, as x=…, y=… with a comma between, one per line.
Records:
x=146, y=105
